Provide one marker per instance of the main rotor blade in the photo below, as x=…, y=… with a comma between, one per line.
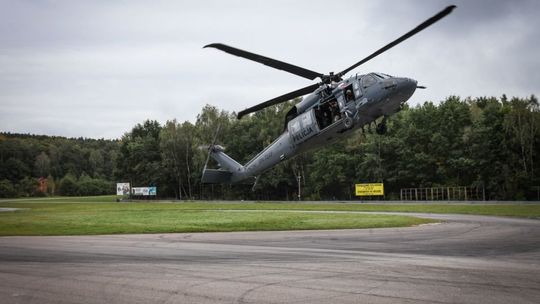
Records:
x=280, y=65
x=280, y=99
x=417, y=29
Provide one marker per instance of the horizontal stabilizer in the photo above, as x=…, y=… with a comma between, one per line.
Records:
x=212, y=176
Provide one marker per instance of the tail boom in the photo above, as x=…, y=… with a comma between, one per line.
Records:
x=230, y=170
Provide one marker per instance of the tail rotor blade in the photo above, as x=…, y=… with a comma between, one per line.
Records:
x=211, y=146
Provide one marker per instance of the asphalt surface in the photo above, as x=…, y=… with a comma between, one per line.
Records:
x=466, y=259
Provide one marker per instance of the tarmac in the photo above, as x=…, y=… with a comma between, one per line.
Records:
x=464, y=259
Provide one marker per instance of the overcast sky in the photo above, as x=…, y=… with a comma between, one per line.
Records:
x=96, y=68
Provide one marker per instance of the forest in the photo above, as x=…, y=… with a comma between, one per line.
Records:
x=486, y=142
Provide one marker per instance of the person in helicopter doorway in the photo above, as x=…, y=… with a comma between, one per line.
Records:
x=326, y=119
x=349, y=96
x=334, y=109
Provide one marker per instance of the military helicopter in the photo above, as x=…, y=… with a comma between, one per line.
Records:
x=333, y=109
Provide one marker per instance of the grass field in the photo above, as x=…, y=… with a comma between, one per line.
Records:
x=102, y=215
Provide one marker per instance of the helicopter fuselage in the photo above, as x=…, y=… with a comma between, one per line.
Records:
x=330, y=113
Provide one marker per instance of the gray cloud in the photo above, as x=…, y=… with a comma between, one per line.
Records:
x=96, y=68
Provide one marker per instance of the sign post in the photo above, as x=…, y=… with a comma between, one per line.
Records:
x=144, y=191
x=299, y=193
x=373, y=189
x=122, y=188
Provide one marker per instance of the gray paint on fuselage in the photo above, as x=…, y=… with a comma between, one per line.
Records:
x=382, y=98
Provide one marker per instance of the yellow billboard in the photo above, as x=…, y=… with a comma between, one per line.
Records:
x=369, y=189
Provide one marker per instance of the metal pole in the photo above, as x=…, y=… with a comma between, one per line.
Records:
x=299, y=193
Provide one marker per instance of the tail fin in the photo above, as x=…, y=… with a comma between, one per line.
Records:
x=224, y=160
x=227, y=164
x=230, y=170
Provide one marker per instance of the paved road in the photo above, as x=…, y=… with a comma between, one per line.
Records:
x=466, y=259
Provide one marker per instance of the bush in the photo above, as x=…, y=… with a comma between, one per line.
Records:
x=27, y=186
x=7, y=189
x=94, y=186
x=68, y=185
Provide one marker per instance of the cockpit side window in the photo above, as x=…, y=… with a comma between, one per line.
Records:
x=368, y=80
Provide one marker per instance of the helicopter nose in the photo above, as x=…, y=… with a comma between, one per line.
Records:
x=406, y=87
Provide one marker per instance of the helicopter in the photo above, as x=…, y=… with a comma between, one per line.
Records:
x=333, y=109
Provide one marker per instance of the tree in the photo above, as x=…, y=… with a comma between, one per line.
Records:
x=139, y=160
x=68, y=185
x=42, y=165
x=487, y=138
x=15, y=169
x=51, y=185
x=86, y=185
x=96, y=161
x=27, y=186
x=522, y=129
x=331, y=173
x=486, y=141
x=177, y=150
x=7, y=189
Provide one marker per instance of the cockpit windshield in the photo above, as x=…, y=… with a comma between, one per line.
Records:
x=382, y=75
x=368, y=80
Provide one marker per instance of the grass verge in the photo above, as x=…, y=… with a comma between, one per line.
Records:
x=113, y=218
x=517, y=210
x=101, y=215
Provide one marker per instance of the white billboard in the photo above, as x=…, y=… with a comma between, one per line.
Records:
x=122, y=188
x=145, y=191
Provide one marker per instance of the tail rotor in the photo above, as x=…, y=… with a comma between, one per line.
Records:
x=210, y=147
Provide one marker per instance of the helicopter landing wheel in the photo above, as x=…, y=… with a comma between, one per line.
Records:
x=348, y=122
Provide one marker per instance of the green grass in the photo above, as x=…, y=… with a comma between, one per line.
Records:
x=102, y=215
x=518, y=210
x=112, y=218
